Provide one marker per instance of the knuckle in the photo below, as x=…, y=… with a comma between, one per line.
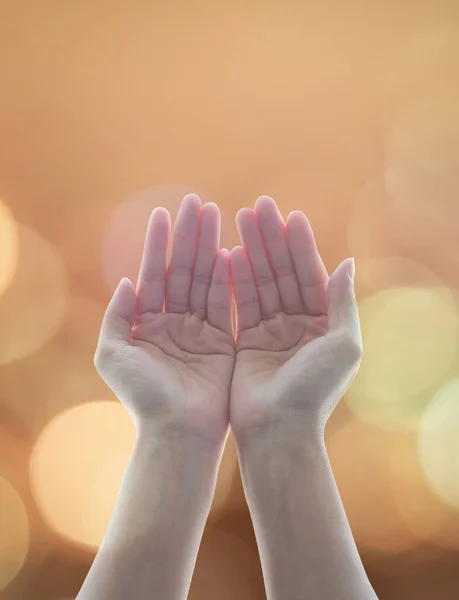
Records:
x=354, y=347
x=350, y=344
x=104, y=355
x=264, y=279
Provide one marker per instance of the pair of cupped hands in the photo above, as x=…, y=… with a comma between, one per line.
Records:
x=168, y=349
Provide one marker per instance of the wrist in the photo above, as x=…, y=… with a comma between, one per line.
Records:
x=177, y=441
x=279, y=436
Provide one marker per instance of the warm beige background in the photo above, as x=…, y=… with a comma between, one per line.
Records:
x=346, y=110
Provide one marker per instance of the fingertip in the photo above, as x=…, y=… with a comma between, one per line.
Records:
x=237, y=252
x=124, y=301
x=192, y=199
x=244, y=214
x=161, y=214
x=211, y=206
x=350, y=265
x=265, y=201
x=125, y=284
x=296, y=215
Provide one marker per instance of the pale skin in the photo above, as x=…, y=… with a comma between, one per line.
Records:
x=168, y=352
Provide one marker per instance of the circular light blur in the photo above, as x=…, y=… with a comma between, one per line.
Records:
x=424, y=211
x=14, y=533
x=393, y=271
x=33, y=307
x=360, y=457
x=8, y=246
x=439, y=443
x=124, y=237
x=423, y=512
x=77, y=466
x=410, y=337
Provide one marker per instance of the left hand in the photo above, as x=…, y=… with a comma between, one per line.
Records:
x=171, y=367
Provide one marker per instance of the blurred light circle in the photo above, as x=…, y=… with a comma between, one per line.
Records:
x=360, y=458
x=439, y=443
x=8, y=246
x=124, y=237
x=33, y=307
x=424, y=208
x=393, y=271
x=77, y=466
x=410, y=337
x=423, y=512
x=14, y=533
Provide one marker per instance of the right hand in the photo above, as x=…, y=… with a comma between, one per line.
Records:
x=298, y=343
x=172, y=368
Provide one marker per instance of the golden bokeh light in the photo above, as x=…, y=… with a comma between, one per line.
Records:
x=14, y=533
x=61, y=373
x=439, y=443
x=33, y=307
x=423, y=512
x=393, y=271
x=410, y=337
x=8, y=246
x=424, y=208
x=77, y=466
x=360, y=458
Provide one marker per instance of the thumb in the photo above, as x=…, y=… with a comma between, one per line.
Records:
x=342, y=305
x=120, y=314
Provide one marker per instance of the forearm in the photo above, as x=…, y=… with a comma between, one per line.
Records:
x=151, y=545
x=305, y=543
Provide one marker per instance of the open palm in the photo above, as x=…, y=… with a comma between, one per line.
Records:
x=167, y=348
x=295, y=325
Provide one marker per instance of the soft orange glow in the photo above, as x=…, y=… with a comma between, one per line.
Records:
x=227, y=568
x=14, y=533
x=348, y=111
x=76, y=469
x=33, y=308
x=360, y=458
x=8, y=246
x=227, y=475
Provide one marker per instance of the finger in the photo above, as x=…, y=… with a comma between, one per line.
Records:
x=275, y=238
x=250, y=234
x=208, y=242
x=342, y=305
x=120, y=315
x=310, y=270
x=152, y=276
x=219, y=299
x=248, y=312
x=179, y=273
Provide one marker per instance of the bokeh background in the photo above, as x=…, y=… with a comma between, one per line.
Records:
x=346, y=110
